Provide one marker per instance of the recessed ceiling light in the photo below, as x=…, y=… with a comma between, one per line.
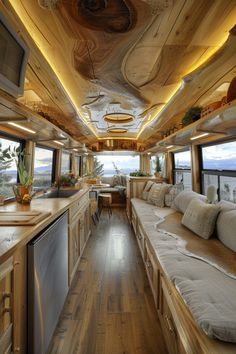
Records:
x=117, y=130
x=23, y=128
x=199, y=136
x=58, y=142
x=75, y=150
x=169, y=147
x=118, y=118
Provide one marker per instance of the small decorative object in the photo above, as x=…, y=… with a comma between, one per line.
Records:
x=193, y=114
x=210, y=108
x=68, y=180
x=139, y=174
x=211, y=194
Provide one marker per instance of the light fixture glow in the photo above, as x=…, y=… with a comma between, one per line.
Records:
x=169, y=147
x=75, y=150
x=58, y=142
x=23, y=128
x=199, y=136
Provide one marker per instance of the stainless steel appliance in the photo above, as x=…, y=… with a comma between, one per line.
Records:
x=47, y=283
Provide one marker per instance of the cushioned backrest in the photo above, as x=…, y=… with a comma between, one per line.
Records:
x=183, y=199
x=226, y=224
x=146, y=190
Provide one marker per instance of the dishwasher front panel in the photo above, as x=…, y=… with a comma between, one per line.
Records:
x=47, y=283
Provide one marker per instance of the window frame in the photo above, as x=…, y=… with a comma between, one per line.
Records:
x=54, y=159
x=186, y=170
x=214, y=172
x=22, y=143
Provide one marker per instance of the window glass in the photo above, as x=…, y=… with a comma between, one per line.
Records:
x=43, y=167
x=182, y=169
x=125, y=164
x=208, y=180
x=219, y=157
x=228, y=188
x=8, y=172
x=182, y=160
x=65, y=162
x=77, y=164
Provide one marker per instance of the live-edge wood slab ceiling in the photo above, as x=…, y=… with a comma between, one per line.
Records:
x=125, y=59
x=110, y=308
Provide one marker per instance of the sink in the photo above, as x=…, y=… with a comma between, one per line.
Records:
x=59, y=194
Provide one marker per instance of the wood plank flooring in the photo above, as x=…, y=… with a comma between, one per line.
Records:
x=110, y=309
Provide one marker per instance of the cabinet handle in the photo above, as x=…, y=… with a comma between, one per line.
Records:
x=139, y=237
x=170, y=328
x=148, y=264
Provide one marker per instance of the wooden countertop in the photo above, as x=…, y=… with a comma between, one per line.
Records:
x=12, y=237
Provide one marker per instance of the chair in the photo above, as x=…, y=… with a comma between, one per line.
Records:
x=93, y=199
x=104, y=201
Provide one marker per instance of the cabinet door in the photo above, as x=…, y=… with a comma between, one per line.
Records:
x=6, y=313
x=74, y=245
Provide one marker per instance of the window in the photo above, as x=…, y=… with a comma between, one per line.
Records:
x=65, y=162
x=43, y=167
x=182, y=168
x=8, y=172
x=124, y=163
x=77, y=164
x=219, y=169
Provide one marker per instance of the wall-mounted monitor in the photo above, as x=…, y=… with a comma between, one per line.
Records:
x=13, y=59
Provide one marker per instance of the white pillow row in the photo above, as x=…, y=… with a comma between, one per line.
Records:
x=203, y=218
x=161, y=194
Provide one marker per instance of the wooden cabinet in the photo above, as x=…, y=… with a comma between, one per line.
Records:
x=79, y=230
x=6, y=306
x=152, y=271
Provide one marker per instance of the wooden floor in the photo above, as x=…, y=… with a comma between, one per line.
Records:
x=110, y=309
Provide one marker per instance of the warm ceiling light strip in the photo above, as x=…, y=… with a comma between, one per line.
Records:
x=170, y=146
x=199, y=136
x=58, y=142
x=23, y=128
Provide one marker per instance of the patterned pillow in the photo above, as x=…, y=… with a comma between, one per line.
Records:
x=157, y=194
x=173, y=192
x=200, y=217
x=146, y=190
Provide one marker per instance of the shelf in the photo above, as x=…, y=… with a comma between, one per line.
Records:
x=218, y=124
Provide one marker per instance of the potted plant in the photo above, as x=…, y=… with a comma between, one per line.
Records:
x=157, y=166
x=139, y=173
x=23, y=190
x=193, y=114
x=68, y=180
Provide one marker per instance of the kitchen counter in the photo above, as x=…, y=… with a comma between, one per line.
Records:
x=12, y=237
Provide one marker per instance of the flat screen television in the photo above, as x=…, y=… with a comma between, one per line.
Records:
x=13, y=59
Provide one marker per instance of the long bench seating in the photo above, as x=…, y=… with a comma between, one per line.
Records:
x=193, y=280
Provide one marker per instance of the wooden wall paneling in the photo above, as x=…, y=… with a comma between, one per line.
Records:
x=195, y=168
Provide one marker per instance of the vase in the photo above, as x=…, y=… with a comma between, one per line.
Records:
x=23, y=193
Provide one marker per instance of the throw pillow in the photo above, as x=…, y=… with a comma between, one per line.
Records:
x=173, y=192
x=200, y=218
x=146, y=190
x=158, y=194
x=183, y=199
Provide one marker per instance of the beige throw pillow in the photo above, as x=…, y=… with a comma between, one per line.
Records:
x=200, y=218
x=183, y=199
x=146, y=190
x=157, y=197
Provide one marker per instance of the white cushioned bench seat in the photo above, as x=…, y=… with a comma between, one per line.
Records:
x=206, y=288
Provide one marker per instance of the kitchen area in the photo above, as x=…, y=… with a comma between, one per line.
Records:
x=41, y=245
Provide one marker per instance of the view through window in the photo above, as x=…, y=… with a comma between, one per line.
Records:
x=182, y=169
x=65, y=162
x=8, y=173
x=43, y=167
x=125, y=164
x=219, y=169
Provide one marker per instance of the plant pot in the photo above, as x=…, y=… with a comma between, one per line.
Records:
x=23, y=193
x=157, y=174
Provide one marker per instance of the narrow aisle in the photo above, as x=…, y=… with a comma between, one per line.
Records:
x=110, y=309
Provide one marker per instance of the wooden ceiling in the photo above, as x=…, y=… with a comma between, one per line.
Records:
x=125, y=58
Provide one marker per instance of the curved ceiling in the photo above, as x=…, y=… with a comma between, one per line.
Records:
x=124, y=57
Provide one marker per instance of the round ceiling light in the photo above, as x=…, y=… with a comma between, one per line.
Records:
x=118, y=118
x=117, y=130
